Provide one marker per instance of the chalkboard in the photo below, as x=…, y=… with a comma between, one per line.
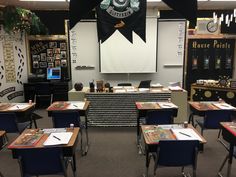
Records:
x=47, y=52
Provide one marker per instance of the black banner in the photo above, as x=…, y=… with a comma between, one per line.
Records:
x=186, y=8
x=126, y=16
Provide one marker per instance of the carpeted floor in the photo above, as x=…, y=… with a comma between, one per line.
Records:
x=113, y=153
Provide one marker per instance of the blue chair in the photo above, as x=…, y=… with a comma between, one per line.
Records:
x=43, y=93
x=64, y=119
x=42, y=161
x=10, y=123
x=212, y=120
x=155, y=117
x=171, y=153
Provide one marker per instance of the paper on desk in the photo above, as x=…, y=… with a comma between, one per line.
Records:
x=186, y=134
x=120, y=91
x=223, y=106
x=76, y=105
x=144, y=89
x=167, y=105
x=58, y=138
x=18, y=107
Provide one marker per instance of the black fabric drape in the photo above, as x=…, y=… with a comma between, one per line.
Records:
x=79, y=8
x=186, y=8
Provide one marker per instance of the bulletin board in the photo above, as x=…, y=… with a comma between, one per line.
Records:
x=209, y=59
x=46, y=52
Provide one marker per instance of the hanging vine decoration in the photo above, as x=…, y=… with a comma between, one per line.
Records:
x=16, y=19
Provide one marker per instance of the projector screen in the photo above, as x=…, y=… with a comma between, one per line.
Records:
x=118, y=55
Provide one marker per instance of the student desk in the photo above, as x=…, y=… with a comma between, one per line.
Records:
x=2, y=139
x=200, y=108
x=22, y=111
x=151, y=145
x=229, y=135
x=61, y=106
x=143, y=107
x=68, y=150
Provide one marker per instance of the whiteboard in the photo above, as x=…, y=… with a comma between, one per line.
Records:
x=171, y=44
x=118, y=55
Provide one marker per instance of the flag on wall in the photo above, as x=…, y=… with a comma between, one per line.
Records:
x=187, y=8
x=125, y=16
x=79, y=8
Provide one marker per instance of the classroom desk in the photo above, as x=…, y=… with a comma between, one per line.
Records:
x=68, y=150
x=2, y=139
x=143, y=107
x=22, y=111
x=61, y=106
x=200, y=108
x=151, y=146
x=229, y=135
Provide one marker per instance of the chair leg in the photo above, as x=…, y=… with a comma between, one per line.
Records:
x=219, y=134
x=1, y=175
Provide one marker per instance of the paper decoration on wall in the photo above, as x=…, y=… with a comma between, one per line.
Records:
x=20, y=67
x=8, y=57
x=126, y=16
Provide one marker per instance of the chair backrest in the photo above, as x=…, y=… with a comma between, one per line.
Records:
x=177, y=153
x=144, y=84
x=64, y=119
x=212, y=119
x=8, y=122
x=43, y=88
x=41, y=161
x=124, y=84
x=159, y=117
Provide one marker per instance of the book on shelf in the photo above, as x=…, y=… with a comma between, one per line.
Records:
x=28, y=139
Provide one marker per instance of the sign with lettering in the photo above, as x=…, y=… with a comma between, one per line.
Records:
x=209, y=59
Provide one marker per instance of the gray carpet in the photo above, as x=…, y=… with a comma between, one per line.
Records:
x=113, y=153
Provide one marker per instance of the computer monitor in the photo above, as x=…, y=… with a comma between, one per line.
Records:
x=144, y=84
x=54, y=73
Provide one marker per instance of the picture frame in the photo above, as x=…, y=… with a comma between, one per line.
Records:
x=233, y=84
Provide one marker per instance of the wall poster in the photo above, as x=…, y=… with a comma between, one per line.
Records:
x=209, y=59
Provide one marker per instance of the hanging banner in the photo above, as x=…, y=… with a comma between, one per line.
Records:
x=186, y=8
x=125, y=16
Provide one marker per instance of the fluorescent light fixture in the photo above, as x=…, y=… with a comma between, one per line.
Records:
x=224, y=0
x=45, y=0
x=153, y=0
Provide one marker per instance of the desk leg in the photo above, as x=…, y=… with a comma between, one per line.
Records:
x=138, y=129
x=190, y=119
x=74, y=166
x=86, y=134
x=147, y=160
x=230, y=159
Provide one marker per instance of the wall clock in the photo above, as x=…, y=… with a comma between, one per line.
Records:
x=212, y=27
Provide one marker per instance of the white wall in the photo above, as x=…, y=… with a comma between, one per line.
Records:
x=13, y=67
x=85, y=52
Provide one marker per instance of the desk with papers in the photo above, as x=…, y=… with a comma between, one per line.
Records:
x=201, y=107
x=153, y=134
x=44, y=141
x=81, y=106
x=143, y=107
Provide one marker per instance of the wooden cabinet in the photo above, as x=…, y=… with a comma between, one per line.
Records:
x=212, y=93
x=59, y=90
